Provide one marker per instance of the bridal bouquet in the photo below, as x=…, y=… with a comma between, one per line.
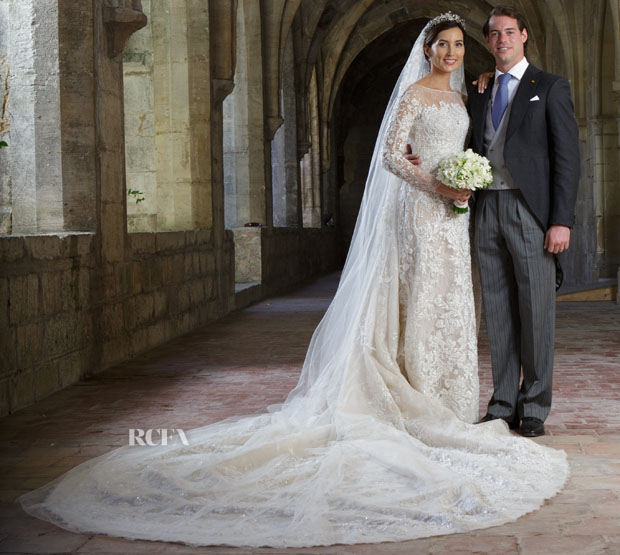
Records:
x=465, y=170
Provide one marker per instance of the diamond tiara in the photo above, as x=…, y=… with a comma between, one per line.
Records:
x=448, y=16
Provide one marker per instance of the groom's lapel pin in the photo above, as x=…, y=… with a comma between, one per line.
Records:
x=534, y=98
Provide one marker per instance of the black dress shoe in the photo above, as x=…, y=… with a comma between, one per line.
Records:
x=532, y=427
x=512, y=424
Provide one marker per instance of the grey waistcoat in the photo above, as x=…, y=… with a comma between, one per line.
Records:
x=494, y=141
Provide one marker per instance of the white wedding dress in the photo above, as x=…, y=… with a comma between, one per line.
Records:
x=437, y=350
x=376, y=443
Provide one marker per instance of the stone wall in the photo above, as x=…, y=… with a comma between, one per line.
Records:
x=46, y=323
x=248, y=259
x=170, y=284
x=291, y=257
x=63, y=317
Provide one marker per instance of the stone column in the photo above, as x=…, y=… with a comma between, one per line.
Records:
x=5, y=174
x=77, y=109
x=244, y=145
x=115, y=22
x=284, y=149
x=172, y=113
x=31, y=175
x=311, y=163
x=222, y=31
x=244, y=134
x=167, y=96
x=140, y=152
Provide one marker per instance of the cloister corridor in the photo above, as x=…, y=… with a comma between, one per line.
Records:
x=179, y=185
x=250, y=360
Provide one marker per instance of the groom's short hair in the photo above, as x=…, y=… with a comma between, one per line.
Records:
x=509, y=11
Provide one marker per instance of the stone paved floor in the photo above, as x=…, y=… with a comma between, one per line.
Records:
x=251, y=359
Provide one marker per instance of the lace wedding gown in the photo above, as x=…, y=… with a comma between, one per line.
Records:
x=375, y=443
x=437, y=348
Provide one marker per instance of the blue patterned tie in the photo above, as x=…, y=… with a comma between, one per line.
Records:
x=501, y=100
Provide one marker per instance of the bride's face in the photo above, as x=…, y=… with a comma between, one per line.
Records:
x=447, y=52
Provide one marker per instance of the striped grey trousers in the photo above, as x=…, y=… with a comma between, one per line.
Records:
x=518, y=295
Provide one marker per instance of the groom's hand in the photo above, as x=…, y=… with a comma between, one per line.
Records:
x=483, y=81
x=557, y=238
x=413, y=158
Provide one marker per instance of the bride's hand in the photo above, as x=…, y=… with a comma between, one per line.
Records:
x=459, y=196
x=483, y=81
x=413, y=158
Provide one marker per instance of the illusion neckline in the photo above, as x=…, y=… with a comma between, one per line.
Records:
x=437, y=90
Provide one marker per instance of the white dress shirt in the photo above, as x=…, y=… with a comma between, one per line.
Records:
x=517, y=72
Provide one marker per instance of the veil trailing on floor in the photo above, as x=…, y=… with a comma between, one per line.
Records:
x=353, y=455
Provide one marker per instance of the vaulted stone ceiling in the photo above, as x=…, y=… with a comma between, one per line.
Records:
x=332, y=33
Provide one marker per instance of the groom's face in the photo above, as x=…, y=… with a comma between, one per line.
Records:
x=506, y=41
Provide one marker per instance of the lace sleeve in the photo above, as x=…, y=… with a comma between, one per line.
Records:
x=396, y=143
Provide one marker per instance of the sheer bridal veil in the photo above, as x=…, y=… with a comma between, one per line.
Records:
x=370, y=274
x=354, y=455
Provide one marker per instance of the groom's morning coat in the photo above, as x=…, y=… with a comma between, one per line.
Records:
x=542, y=144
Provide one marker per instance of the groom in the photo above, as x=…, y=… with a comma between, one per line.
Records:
x=524, y=123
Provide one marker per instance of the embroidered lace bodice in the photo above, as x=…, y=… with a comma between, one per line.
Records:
x=435, y=124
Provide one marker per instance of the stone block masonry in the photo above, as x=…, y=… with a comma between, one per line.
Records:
x=46, y=327
x=63, y=316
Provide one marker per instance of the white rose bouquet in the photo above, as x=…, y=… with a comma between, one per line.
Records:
x=465, y=170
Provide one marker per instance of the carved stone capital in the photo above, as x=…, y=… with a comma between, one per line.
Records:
x=273, y=123
x=122, y=19
x=221, y=89
x=302, y=148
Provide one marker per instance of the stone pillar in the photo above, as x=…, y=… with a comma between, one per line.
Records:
x=167, y=95
x=284, y=149
x=77, y=109
x=221, y=71
x=199, y=87
x=31, y=177
x=5, y=175
x=47, y=182
x=115, y=22
x=172, y=114
x=140, y=152
x=244, y=145
x=311, y=164
x=244, y=130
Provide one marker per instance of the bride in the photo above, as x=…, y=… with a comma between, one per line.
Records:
x=376, y=442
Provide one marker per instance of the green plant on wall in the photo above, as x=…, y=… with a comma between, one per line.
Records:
x=137, y=195
x=3, y=144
